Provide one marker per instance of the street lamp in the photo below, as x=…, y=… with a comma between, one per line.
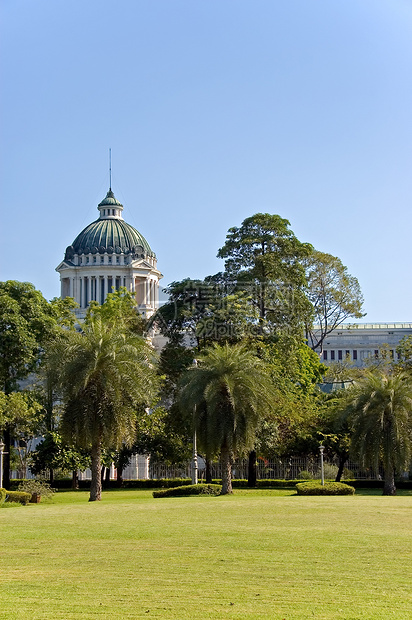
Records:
x=321, y=449
x=194, y=461
x=195, y=464
x=2, y=446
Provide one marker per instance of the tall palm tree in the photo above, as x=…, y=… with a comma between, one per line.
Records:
x=106, y=376
x=228, y=390
x=380, y=410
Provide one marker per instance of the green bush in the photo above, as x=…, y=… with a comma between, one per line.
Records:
x=3, y=494
x=305, y=475
x=37, y=486
x=192, y=489
x=18, y=496
x=329, y=488
x=263, y=483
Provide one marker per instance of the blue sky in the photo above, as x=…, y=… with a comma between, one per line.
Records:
x=214, y=110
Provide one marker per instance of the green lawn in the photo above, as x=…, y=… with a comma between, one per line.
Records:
x=256, y=554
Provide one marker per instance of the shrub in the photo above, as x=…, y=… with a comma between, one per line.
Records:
x=192, y=489
x=329, y=488
x=37, y=486
x=18, y=496
x=3, y=494
x=329, y=472
x=305, y=475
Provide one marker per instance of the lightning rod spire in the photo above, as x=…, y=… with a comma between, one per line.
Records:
x=110, y=169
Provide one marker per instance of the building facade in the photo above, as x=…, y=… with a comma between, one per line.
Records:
x=357, y=343
x=106, y=255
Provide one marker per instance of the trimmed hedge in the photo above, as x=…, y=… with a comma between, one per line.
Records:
x=191, y=489
x=153, y=483
x=3, y=495
x=329, y=488
x=18, y=496
x=237, y=483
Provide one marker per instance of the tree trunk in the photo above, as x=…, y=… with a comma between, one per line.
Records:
x=252, y=474
x=107, y=478
x=342, y=461
x=389, y=487
x=75, y=480
x=6, y=457
x=96, y=467
x=208, y=471
x=119, y=480
x=226, y=464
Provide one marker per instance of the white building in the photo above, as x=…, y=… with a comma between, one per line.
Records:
x=106, y=255
x=358, y=342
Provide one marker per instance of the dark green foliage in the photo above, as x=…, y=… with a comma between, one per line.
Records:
x=53, y=453
x=190, y=489
x=266, y=483
x=18, y=496
x=264, y=258
x=210, y=310
x=329, y=488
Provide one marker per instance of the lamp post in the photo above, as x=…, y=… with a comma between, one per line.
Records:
x=194, y=461
x=322, y=476
x=194, y=464
x=1, y=463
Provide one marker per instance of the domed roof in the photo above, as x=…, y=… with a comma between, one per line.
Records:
x=110, y=200
x=110, y=233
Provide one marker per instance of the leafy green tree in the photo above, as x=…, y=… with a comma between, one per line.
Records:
x=228, y=390
x=334, y=294
x=119, y=307
x=206, y=311
x=380, y=412
x=27, y=323
x=264, y=258
x=107, y=377
x=19, y=413
x=53, y=453
x=289, y=427
x=333, y=430
x=404, y=351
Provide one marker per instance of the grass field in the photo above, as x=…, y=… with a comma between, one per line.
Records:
x=254, y=555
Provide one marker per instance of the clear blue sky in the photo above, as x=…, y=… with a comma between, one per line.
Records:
x=214, y=110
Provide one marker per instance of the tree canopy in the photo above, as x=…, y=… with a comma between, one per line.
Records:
x=264, y=258
x=334, y=294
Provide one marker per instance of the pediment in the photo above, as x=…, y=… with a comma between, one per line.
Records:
x=144, y=265
x=64, y=265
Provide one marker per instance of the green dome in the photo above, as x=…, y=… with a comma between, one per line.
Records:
x=111, y=235
x=110, y=200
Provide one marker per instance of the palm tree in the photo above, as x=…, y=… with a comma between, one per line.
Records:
x=106, y=376
x=228, y=390
x=380, y=410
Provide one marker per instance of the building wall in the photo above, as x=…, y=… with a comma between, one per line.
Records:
x=359, y=342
